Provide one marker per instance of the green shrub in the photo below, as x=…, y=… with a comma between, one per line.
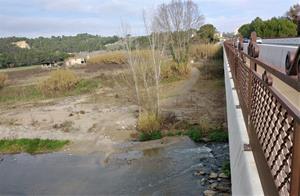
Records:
x=60, y=81
x=195, y=134
x=226, y=168
x=218, y=136
x=3, y=78
x=145, y=136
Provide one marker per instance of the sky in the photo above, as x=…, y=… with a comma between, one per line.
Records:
x=33, y=18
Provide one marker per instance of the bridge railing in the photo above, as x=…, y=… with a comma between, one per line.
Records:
x=273, y=122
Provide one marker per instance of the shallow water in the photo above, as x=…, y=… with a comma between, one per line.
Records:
x=158, y=171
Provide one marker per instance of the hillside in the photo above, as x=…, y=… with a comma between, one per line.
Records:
x=20, y=51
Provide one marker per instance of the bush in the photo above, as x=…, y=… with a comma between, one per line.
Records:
x=226, y=168
x=60, y=81
x=218, y=136
x=170, y=71
x=195, y=134
x=206, y=51
x=3, y=78
x=148, y=122
x=116, y=57
x=150, y=136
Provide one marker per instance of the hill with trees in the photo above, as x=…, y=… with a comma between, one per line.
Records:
x=46, y=50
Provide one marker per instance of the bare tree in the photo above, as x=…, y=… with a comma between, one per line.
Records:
x=145, y=65
x=177, y=20
x=294, y=13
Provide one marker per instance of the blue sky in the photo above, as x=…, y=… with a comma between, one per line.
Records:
x=32, y=18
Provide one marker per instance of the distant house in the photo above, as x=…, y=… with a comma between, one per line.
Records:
x=21, y=44
x=74, y=61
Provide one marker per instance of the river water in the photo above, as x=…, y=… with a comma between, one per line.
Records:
x=157, y=171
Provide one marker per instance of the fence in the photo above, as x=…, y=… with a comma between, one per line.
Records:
x=273, y=122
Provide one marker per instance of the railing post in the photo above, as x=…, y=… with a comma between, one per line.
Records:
x=254, y=52
x=295, y=178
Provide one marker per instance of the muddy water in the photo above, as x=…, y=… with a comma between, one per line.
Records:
x=157, y=171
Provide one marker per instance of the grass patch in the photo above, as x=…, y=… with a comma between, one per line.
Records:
x=146, y=136
x=58, y=82
x=31, y=146
x=171, y=72
x=85, y=86
x=212, y=69
x=195, y=134
x=116, y=57
x=226, y=168
x=218, y=136
x=20, y=93
x=198, y=133
x=33, y=93
x=148, y=122
x=206, y=51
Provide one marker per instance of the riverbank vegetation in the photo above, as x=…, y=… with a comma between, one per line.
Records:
x=59, y=83
x=32, y=146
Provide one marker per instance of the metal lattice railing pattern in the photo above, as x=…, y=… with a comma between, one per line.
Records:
x=274, y=129
x=242, y=76
x=273, y=120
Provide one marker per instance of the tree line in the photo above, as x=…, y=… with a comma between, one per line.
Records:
x=47, y=50
x=273, y=28
x=285, y=26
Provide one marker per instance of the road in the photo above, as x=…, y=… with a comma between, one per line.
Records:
x=274, y=52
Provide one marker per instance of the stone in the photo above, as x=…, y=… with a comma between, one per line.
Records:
x=213, y=175
x=209, y=193
x=205, y=139
x=211, y=181
x=224, y=194
x=222, y=175
x=223, y=188
x=213, y=186
x=199, y=173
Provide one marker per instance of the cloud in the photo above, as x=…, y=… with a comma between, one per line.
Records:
x=56, y=17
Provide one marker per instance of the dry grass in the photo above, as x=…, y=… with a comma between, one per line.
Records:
x=58, y=82
x=206, y=51
x=117, y=57
x=212, y=69
x=3, y=78
x=148, y=122
x=170, y=71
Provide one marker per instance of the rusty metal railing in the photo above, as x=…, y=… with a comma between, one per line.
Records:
x=273, y=122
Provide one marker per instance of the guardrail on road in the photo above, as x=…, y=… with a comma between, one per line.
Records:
x=273, y=122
